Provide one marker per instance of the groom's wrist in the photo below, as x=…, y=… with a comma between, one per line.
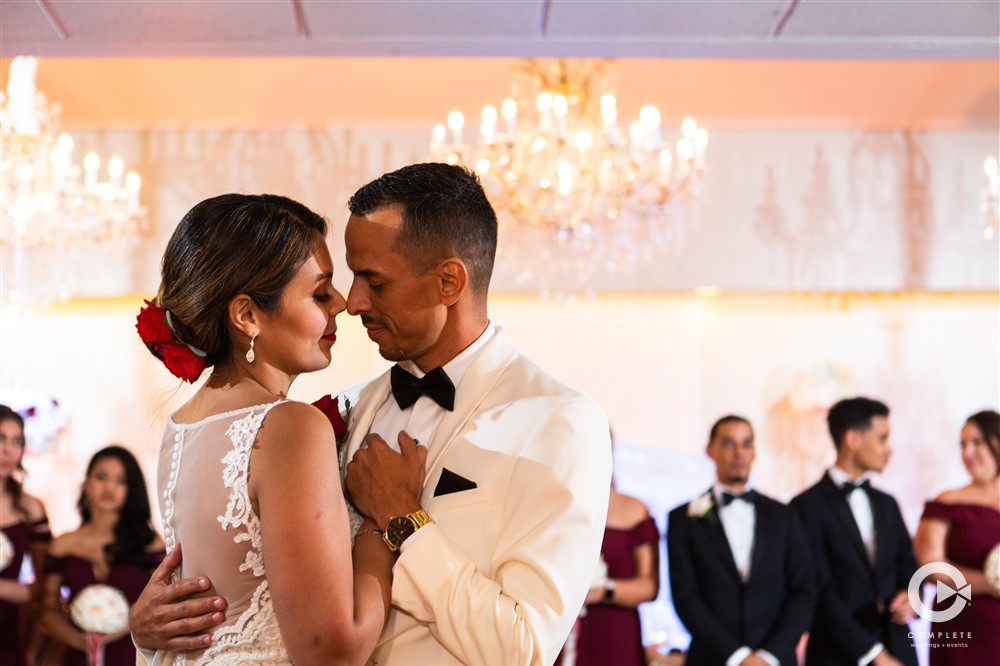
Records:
x=401, y=509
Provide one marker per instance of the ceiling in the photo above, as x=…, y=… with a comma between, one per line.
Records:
x=842, y=29
x=729, y=63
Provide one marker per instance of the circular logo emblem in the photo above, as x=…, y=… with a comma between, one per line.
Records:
x=961, y=591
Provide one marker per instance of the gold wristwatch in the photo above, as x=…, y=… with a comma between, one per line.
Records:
x=399, y=528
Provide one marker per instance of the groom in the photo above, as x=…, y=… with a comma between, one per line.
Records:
x=740, y=573
x=497, y=550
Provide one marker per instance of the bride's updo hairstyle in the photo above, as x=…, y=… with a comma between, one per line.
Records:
x=228, y=245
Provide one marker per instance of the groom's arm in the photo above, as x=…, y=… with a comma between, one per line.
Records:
x=550, y=527
x=507, y=587
x=165, y=618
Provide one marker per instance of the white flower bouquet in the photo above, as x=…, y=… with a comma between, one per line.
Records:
x=98, y=610
x=6, y=551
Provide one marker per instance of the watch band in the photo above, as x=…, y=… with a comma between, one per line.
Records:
x=609, y=592
x=400, y=528
x=419, y=518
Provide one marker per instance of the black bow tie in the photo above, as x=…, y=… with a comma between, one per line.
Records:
x=849, y=487
x=436, y=385
x=728, y=497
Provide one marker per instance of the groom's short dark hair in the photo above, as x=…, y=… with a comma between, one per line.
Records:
x=445, y=214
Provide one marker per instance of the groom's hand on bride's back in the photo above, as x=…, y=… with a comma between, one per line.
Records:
x=164, y=618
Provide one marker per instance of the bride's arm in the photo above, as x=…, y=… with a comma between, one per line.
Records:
x=329, y=611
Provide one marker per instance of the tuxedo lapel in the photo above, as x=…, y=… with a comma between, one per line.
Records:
x=480, y=378
x=712, y=525
x=842, y=510
x=763, y=528
x=883, y=532
x=370, y=398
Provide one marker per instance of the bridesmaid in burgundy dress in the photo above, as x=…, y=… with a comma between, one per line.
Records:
x=961, y=527
x=25, y=530
x=609, y=632
x=115, y=545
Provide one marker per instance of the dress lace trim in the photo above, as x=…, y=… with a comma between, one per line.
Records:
x=239, y=513
x=254, y=638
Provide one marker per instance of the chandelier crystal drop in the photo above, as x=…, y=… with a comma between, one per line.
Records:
x=53, y=211
x=578, y=195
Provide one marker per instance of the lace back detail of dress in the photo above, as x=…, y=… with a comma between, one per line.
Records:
x=239, y=513
x=254, y=638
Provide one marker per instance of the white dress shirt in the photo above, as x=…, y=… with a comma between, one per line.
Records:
x=421, y=419
x=861, y=509
x=739, y=521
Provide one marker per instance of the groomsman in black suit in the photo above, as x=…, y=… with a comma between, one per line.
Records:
x=862, y=549
x=740, y=568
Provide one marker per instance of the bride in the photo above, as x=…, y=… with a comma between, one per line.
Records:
x=248, y=480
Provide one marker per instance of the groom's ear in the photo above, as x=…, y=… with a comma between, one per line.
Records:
x=453, y=279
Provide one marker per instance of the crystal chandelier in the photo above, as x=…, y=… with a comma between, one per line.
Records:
x=53, y=211
x=988, y=203
x=580, y=199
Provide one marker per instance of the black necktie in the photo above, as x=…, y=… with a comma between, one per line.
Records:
x=728, y=497
x=848, y=487
x=436, y=385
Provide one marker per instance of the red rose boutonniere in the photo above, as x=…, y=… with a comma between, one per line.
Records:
x=331, y=409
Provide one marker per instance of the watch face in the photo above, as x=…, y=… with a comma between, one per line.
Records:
x=398, y=529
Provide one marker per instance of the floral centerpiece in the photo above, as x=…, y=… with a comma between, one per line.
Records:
x=99, y=610
x=44, y=417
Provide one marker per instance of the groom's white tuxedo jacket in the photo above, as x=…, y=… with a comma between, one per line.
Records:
x=501, y=573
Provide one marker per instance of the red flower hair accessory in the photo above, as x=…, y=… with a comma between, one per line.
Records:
x=155, y=330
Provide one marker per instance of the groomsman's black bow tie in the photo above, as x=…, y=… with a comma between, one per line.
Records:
x=849, y=487
x=436, y=385
x=728, y=497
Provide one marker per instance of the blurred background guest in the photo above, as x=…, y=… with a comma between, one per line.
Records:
x=609, y=631
x=740, y=571
x=863, y=553
x=24, y=529
x=962, y=527
x=115, y=546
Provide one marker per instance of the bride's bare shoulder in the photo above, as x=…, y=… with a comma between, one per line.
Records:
x=209, y=402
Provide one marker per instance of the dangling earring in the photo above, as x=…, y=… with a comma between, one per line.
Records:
x=250, y=353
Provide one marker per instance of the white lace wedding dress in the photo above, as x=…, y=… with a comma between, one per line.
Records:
x=202, y=480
